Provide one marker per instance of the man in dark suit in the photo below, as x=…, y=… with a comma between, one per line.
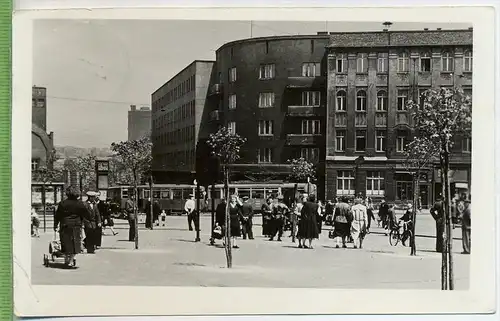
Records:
x=246, y=220
x=437, y=212
x=92, y=223
x=466, y=227
x=130, y=210
x=278, y=219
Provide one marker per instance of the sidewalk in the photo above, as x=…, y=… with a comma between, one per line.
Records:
x=170, y=257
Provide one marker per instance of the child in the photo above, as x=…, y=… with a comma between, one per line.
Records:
x=35, y=223
x=163, y=218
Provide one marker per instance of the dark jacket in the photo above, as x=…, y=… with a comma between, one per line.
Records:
x=94, y=218
x=466, y=222
x=104, y=209
x=70, y=213
x=437, y=212
x=309, y=211
x=383, y=210
x=220, y=214
x=129, y=209
x=342, y=211
x=247, y=211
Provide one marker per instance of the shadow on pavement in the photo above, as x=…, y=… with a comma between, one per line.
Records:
x=188, y=241
x=61, y=266
x=292, y=247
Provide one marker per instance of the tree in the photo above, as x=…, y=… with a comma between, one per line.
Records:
x=226, y=146
x=301, y=171
x=419, y=153
x=118, y=172
x=136, y=156
x=85, y=167
x=443, y=116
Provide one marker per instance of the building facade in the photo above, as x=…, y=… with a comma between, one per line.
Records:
x=42, y=144
x=39, y=107
x=179, y=120
x=139, y=122
x=371, y=76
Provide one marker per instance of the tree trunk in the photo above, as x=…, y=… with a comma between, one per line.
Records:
x=227, y=237
x=449, y=222
x=292, y=214
x=444, y=252
x=151, y=212
x=44, y=207
x=198, y=212
x=416, y=189
x=81, y=185
x=212, y=200
x=136, y=207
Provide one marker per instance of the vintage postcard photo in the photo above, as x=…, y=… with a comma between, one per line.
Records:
x=193, y=157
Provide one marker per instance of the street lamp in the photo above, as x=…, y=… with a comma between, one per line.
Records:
x=197, y=226
x=358, y=161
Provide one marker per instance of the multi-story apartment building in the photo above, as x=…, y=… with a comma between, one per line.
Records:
x=177, y=111
x=272, y=91
x=139, y=122
x=371, y=76
x=42, y=144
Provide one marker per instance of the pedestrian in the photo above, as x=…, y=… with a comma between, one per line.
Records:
x=267, y=210
x=107, y=219
x=278, y=219
x=390, y=218
x=329, y=208
x=437, y=212
x=308, y=226
x=407, y=220
x=246, y=218
x=98, y=230
x=156, y=211
x=359, y=222
x=149, y=217
x=341, y=219
x=130, y=209
x=68, y=219
x=320, y=216
x=383, y=210
x=369, y=212
x=234, y=218
x=298, y=213
x=35, y=223
x=189, y=209
x=92, y=223
x=466, y=227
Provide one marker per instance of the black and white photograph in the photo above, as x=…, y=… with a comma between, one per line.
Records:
x=255, y=154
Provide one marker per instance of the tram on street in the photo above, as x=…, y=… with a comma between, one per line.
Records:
x=172, y=197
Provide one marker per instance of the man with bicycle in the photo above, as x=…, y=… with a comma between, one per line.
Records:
x=407, y=223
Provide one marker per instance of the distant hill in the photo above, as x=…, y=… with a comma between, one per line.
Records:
x=73, y=151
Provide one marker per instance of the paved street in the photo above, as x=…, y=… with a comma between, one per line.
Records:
x=169, y=257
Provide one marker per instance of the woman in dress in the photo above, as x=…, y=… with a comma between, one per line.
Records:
x=235, y=216
x=69, y=217
x=308, y=227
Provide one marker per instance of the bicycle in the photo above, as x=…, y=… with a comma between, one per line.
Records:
x=395, y=235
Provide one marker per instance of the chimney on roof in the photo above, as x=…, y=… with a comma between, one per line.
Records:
x=438, y=29
x=426, y=29
x=133, y=107
x=322, y=33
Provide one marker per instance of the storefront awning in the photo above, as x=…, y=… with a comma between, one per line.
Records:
x=456, y=176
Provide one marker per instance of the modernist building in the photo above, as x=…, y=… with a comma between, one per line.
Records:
x=178, y=108
x=139, y=122
x=42, y=144
x=371, y=76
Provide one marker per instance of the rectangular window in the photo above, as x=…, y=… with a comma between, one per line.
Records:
x=468, y=61
x=232, y=74
x=402, y=99
x=403, y=62
x=375, y=183
x=341, y=103
x=341, y=64
x=266, y=127
x=232, y=101
x=400, y=144
x=266, y=100
x=311, y=69
x=360, y=140
x=380, y=141
x=362, y=63
x=266, y=71
x=345, y=183
x=35, y=163
x=382, y=63
x=265, y=155
x=232, y=127
x=311, y=98
x=425, y=63
x=311, y=127
x=340, y=140
x=467, y=145
x=310, y=154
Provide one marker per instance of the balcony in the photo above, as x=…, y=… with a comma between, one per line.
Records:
x=402, y=118
x=340, y=120
x=215, y=89
x=302, y=139
x=381, y=119
x=360, y=119
x=306, y=111
x=306, y=82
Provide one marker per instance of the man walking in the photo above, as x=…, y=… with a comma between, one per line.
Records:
x=98, y=230
x=267, y=210
x=246, y=218
x=359, y=223
x=190, y=209
x=130, y=209
x=92, y=223
x=437, y=213
x=466, y=227
x=279, y=219
x=383, y=210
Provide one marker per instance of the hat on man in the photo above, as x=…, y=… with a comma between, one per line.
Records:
x=191, y=195
x=245, y=198
x=91, y=193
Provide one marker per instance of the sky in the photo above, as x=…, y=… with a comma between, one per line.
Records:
x=95, y=69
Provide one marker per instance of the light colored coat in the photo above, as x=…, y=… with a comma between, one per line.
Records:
x=360, y=218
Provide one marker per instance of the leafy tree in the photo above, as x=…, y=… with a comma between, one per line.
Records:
x=443, y=116
x=226, y=146
x=136, y=156
x=420, y=153
x=85, y=167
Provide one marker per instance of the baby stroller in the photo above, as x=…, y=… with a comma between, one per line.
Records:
x=217, y=234
x=55, y=252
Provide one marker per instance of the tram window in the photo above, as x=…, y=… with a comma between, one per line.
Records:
x=257, y=193
x=243, y=192
x=124, y=193
x=177, y=194
x=232, y=190
x=165, y=194
x=156, y=194
x=146, y=194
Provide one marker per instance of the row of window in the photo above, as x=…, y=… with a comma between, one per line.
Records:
x=181, y=135
x=380, y=141
x=267, y=99
x=381, y=103
x=179, y=158
x=183, y=88
x=185, y=111
x=375, y=184
x=268, y=71
x=266, y=127
x=403, y=62
x=265, y=155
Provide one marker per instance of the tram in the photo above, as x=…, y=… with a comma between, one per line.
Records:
x=172, y=197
